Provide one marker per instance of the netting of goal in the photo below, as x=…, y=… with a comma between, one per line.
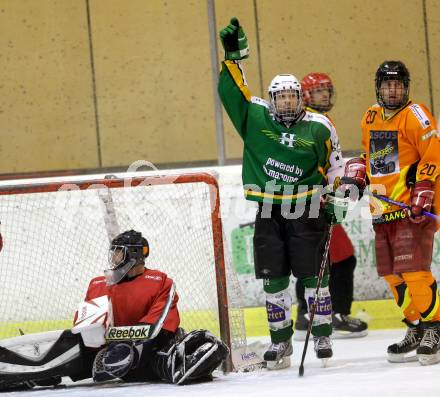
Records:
x=56, y=239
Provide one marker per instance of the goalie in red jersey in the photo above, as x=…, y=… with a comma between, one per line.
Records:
x=128, y=329
x=138, y=296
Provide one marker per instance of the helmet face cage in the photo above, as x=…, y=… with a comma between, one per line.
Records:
x=286, y=102
x=121, y=259
x=392, y=71
x=319, y=92
x=119, y=255
x=126, y=251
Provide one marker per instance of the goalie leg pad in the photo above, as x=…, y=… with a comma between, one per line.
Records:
x=42, y=359
x=193, y=358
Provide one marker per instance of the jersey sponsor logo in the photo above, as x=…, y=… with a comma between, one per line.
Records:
x=323, y=305
x=384, y=153
x=275, y=313
x=157, y=278
x=421, y=116
x=127, y=333
x=391, y=217
x=281, y=176
x=383, y=134
x=284, y=167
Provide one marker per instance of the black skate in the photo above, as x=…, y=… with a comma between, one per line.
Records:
x=428, y=351
x=301, y=326
x=323, y=348
x=345, y=326
x=278, y=355
x=400, y=352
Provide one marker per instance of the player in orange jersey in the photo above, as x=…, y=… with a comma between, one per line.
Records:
x=319, y=97
x=402, y=162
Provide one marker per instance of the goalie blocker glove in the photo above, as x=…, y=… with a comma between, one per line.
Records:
x=115, y=361
x=234, y=41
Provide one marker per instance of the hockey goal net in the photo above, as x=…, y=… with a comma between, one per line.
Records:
x=56, y=238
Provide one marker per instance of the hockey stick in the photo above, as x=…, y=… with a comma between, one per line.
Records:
x=401, y=205
x=315, y=300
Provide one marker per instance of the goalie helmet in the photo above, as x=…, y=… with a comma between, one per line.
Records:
x=397, y=71
x=127, y=250
x=319, y=93
x=286, y=102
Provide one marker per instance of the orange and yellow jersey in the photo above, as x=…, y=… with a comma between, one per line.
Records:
x=402, y=147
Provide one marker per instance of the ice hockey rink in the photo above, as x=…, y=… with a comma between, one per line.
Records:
x=358, y=368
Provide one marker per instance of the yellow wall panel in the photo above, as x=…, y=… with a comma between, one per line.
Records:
x=153, y=72
x=154, y=84
x=347, y=39
x=46, y=105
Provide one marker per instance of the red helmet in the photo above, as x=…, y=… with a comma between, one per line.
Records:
x=315, y=81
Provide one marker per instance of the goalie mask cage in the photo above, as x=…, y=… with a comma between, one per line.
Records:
x=56, y=239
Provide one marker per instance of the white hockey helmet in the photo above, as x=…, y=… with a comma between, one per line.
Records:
x=286, y=99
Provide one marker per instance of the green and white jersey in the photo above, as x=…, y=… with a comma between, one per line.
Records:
x=280, y=163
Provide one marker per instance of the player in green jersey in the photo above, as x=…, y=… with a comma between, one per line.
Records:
x=289, y=156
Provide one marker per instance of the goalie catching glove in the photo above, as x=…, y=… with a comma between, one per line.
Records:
x=234, y=41
x=195, y=357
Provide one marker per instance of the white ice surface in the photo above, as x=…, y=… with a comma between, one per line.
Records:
x=358, y=368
